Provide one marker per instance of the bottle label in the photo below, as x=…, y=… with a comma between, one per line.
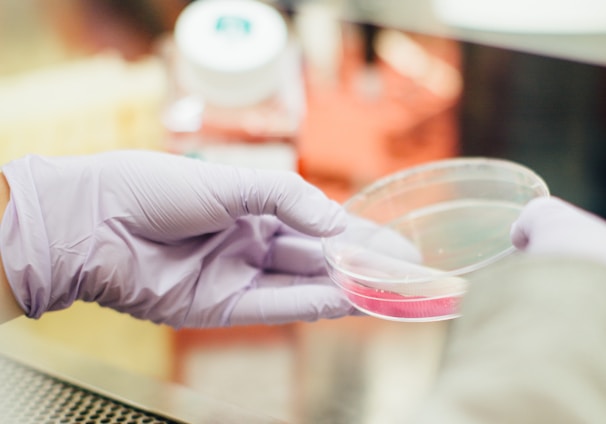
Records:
x=270, y=155
x=233, y=26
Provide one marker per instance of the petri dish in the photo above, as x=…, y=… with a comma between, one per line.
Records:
x=415, y=237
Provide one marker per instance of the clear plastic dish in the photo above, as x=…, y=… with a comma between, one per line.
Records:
x=414, y=237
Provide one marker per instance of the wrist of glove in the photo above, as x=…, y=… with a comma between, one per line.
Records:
x=168, y=239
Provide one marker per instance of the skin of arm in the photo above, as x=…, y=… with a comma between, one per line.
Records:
x=9, y=308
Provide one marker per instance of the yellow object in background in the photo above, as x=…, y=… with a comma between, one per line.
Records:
x=87, y=106
x=105, y=335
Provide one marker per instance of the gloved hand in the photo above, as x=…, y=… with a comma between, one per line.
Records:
x=549, y=225
x=168, y=239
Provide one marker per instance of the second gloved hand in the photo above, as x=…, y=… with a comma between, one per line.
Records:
x=551, y=226
x=168, y=239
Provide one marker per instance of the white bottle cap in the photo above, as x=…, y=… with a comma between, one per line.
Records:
x=232, y=50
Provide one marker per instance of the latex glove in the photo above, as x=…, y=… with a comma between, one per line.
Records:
x=549, y=225
x=168, y=239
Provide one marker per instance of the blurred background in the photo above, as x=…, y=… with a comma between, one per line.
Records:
x=371, y=87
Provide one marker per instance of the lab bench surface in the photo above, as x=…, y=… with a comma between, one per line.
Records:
x=43, y=383
x=352, y=370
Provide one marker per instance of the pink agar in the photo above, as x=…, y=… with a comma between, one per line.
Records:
x=395, y=305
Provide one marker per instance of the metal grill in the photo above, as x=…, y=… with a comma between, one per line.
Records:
x=28, y=396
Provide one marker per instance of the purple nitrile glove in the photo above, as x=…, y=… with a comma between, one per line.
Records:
x=168, y=239
x=551, y=226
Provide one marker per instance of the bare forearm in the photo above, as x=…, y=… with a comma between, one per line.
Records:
x=9, y=308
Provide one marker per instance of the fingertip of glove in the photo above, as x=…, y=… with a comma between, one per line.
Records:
x=519, y=228
x=518, y=237
x=322, y=216
x=338, y=221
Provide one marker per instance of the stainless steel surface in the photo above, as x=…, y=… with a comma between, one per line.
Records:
x=44, y=383
x=352, y=370
x=28, y=396
x=356, y=370
x=367, y=371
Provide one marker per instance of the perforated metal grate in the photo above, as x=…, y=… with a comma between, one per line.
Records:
x=28, y=396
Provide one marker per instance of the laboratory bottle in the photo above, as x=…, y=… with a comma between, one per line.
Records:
x=235, y=92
